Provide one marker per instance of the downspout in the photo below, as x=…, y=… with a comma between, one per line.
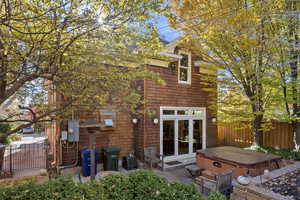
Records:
x=144, y=123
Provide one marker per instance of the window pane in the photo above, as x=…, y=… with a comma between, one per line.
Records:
x=197, y=112
x=184, y=60
x=168, y=138
x=183, y=137
x=182, y=112
x=183, y=74
x=168, y=112
x=197, y=142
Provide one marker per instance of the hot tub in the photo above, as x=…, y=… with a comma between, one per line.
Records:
x=241, y=161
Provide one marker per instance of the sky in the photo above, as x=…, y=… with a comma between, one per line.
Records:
x=164, y=29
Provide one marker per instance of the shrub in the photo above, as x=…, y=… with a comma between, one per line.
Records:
x=287, y=153
x=14, y=137
x=146, y=185
x=141, y=180
x=117, y=187
x=216, y=196
x=139, y=185
x=4, y=128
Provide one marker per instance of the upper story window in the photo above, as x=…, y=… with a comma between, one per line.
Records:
x=184, y=68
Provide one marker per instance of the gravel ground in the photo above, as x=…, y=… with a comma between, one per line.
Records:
x=286, y=185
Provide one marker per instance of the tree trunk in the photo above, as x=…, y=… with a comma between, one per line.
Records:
x=2, y=150
x=257, y=130
x=296, y=132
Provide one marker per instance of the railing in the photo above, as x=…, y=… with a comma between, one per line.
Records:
x=25, y=156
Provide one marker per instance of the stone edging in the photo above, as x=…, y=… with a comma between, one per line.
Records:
x=255, y=188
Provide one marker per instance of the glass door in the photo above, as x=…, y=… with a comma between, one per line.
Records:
x=182, y=131
x=168, y=137
x=183, y=137
x=197, y=135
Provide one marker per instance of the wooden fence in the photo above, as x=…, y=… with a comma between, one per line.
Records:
x=280, y=135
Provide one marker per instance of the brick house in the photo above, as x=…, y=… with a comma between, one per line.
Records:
x=181, y=123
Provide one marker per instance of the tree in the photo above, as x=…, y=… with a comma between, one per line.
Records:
x=287, y=66
x=64, y=46
x=238, y=38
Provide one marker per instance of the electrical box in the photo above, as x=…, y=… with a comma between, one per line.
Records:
x=64, y=135
x=73, y=131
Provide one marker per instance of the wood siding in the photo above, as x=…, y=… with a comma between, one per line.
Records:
x=280, y=135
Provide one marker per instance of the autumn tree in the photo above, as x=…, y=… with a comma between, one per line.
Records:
x=287, y=66
x=238, y=38
x=65, y=46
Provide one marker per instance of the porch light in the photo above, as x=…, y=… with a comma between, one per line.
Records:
x=213, y=119
x=135, y=120
x=155, y=120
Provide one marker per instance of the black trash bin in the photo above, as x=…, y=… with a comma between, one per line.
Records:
x=111, y=158
x=129, y=162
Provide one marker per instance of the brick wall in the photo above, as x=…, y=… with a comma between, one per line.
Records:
x=175, y=94
x=121, y=135
x=136, y=137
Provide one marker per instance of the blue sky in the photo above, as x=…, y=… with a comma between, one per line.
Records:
x=164, y=29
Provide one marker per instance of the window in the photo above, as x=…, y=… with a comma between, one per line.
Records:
x=168, y=112
x=184, y=68
x=182, y=112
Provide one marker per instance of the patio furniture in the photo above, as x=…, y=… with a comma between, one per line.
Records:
x=153, y=157
x=193, y=169
x=222, y=183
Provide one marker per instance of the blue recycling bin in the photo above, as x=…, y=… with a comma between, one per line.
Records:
x=86, y=161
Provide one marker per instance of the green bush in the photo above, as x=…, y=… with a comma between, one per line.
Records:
x=4, y=128
x=140, y=182
x=117, y=186
x=139, y=185
x=216, y=196
x=287, y=153
x=15, y=137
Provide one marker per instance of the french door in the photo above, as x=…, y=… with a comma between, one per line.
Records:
x=181, y=135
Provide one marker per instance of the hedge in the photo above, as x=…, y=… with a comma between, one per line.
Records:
x=286, y=153
x=139, y=185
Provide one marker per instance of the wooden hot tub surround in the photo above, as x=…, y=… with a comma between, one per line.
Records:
x=241, y=161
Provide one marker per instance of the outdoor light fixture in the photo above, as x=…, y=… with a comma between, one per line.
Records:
x=213, y=119
x=155, y=120
x=135, y=120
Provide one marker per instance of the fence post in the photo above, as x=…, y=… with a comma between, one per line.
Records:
x=10, y=158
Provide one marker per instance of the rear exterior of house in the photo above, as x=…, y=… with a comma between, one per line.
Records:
x=179, y=123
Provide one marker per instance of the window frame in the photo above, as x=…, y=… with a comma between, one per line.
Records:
x=189, y=68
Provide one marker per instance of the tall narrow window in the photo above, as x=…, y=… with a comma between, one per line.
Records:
x=184, y=68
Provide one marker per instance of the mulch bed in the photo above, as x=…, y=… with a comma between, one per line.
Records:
x=286, y=185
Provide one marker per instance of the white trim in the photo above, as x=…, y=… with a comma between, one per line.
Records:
x=189, y=68
x=176, y=138
x=183, y=156
x=204, y=130
x=177, y=117
x=172, y=55
x=191, y=136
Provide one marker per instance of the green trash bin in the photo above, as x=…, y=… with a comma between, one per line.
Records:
x=111, y=158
